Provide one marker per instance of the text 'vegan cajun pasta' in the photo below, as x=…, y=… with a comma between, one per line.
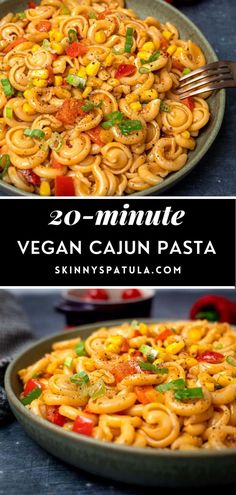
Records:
x=87, y=99
x=163, y=385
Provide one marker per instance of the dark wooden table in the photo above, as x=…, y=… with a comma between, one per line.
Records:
x=25, y=468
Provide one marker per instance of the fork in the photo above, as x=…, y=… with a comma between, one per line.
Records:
x=210, y=77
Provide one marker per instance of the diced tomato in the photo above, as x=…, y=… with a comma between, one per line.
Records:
x=31, y=385
x=83, y=425
x=55, y=163
x=163, y=335
x=131, y=294
x=31, y=177
x=142, y=393
x=95, y=135
x=135, y=354
x=103, y=14
x=124, y=346
x=53, y=415
x=211, y=357
x=124, y=70
x=54, y=56
x=164, y=43
x=189, y=102
x=43, y=26
x=64, y=186
x=124, y=369
x=177, y=65
x=13, y=44
x=32, y=5
x=96, y=294
x=70, y=110
x=137, y=333
x=76, y=49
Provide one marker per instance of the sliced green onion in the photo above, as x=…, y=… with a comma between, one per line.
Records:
x=92, y=15
x=134, y=324
x=118, y=51
x=217, y=347
x=210, y=315
x=112, y=119
x=155, y=56
x=34, y=394
x=5, y=163
x=68, y=361
x=21, y=15
x=186, y=71
x=128, y=126
x=34, y=133
x=231, y=360
x=89, y=105
x=150, y=353
x=129, y=39
x=97, y=390
x=189, y=393
x=144, y=70
x=46, y=44
x=72, y=35
x=9, y=113
x=80, y=378
x=76, y=81
x=55, y=142
x=173, y=385
x=80, y=349
x=65, y=10
x=7, y=87
x=164, y=107
x=151, y=367
x=36, y=375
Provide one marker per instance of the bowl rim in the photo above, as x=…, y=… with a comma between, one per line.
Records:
x=175, y=177
x=92, y=442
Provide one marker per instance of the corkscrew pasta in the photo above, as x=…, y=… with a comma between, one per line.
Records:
x=161, y=385
x=87, y=99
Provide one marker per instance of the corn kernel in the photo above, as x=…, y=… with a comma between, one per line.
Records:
x=109, y=60
x=144, y=55
x=113, y=82
x=148, y=46
x=82, y=72
x=58, y=80
x=148, y=95
x=59, y=49
x=55, y=35
x=100, y=37
x=175, y=347
x=114, y=343
x=193, y=349
x=95, y=82
x=185, y=134
x=171, y=49
x=41, y=73
x=167, y=35
x=195, y=334
x=40, y=83
x=62, y=92
x=143, y=328
x=224, y=380
x=130, y=98
x=93, y=68
x=28, y=94
x=86, y=92
x=35, y=48
x=72, y=70
x=45, y=189
x=190, y=361
x=85, y=60
x=136, y=106
x=131, y=350
x=210, y=386
x=28, y=109
x=178, y=51
x=51, y=367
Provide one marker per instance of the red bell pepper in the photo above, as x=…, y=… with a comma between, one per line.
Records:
x=55, y=163
x=64, y=186
x=131, y=294
x=76, y=49
x=189, y=102
x=53, y=415
x=31, y=385
x=31, y=177
x=96, y=294
x=163, y=335
x=124, y=369
x=164, y=43
x=83, y=425
x=32, y=5
x=124, y=70
x=13, y=44
x=43, y=26
x=210, y=357
x=124, y=346
x=222, y=308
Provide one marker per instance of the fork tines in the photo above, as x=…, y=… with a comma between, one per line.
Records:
x=210, y=77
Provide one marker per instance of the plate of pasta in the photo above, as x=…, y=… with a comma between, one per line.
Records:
x=87, y=98
x=144, y=402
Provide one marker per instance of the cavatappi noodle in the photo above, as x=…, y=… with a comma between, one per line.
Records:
x=163, y=385
x=87, y=99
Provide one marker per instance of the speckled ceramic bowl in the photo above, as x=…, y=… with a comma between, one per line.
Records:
x=188, y=30
x=123, y=463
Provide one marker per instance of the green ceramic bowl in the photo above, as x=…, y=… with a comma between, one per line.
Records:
x=122, y=463
x=188, y=30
